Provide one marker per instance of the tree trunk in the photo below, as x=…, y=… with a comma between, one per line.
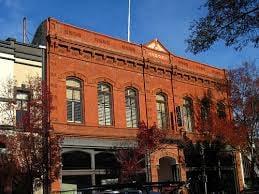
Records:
x=252, y=172
x=8, y=185
x=29, y=184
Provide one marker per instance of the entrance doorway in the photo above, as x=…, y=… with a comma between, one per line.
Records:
x=168, y=169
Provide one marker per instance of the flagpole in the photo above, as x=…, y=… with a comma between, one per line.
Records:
x=129, y=23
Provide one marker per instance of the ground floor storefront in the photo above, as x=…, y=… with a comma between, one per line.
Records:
x=88, y=162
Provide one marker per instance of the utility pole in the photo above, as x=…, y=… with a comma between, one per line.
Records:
x=204, y=176
x=46, y=182
x=253, y=134
x=24, y=30
x=46, y=128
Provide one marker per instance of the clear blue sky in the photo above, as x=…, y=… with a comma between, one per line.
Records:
x=167, y=20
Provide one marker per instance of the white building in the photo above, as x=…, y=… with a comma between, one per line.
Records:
x=18, y=61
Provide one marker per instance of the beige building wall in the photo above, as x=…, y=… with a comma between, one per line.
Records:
x=18, y=62
x=22, y=72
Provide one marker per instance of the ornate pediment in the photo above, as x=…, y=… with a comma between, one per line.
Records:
x=156, y=45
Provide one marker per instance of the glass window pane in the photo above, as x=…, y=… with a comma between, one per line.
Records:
x=101, y=109
x=69, y=94
x=74, y=104
x=69, y=111
x=188, y=114
x=107, y=100
x=20, y=116
x=128, y=102
x=205, y=109
x=131, y=92
x=104, y=104
x=128, y=117
x=160, y=97
x=19, y=104
x=161, y=111
x=162, y=108
x=22, y=96
x=179, y=116
x=77, y=112
x=76, y=95
x=159, y=120
x=164, y=119
x=158, y=107
x=102, y=87
x=107, y=116
x=73, y=83
x=135, y=124
x=131, y=107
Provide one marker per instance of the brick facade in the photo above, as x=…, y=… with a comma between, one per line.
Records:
x=150, y=68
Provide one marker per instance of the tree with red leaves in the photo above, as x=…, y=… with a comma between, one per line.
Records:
x=135, y=158
x=214, y=125
x=244, y=90
x=32, y=150
x=241, y=128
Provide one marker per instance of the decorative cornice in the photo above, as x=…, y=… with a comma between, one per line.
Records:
x=115, y=59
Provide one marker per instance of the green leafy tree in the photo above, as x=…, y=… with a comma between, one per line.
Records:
x=233, y=21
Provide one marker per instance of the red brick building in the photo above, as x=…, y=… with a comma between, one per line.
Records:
x=102, y=87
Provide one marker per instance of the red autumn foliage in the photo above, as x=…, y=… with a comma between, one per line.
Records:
x=132, y=159
x=149, y=139
x=131, y=163
x=220, y=128
x=31, y=142
x=240, y=127
x=229, y=133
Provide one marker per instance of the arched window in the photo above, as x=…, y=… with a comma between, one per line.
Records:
x=104, y=160
x=161, y=107
x=131, y=99
x=221, y=110
x=205, y=109
x=76, y=160
x=188, y=114
x=104, y=104
x=74, y=100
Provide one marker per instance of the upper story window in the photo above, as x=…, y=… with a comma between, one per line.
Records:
x=74, y=100
x=22, y=98
x=179, y=116
x=131, y=99
x=161, y=107
x=221, y=110
x=188, y=114
x=205, y=109
x=104, y=104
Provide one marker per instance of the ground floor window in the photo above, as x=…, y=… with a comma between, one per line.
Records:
x=84, y=168
x=76, y=182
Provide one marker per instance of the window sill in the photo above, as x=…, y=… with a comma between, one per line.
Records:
x=73, y=123
x=135, y=128
x=106, y=126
